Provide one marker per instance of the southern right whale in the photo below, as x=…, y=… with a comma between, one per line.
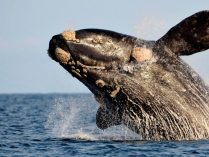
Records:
x=144, y=85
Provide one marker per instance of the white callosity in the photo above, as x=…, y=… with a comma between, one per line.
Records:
x=142, y=54
x=70, y=36
x=62, y=55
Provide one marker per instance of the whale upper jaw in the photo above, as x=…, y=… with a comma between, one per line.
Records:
x=92, y=55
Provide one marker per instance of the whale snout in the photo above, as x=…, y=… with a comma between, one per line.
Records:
x=58, y=49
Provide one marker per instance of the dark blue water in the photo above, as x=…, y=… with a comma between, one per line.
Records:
x=64, y=125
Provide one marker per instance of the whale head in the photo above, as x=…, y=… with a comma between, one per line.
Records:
x=99, y=58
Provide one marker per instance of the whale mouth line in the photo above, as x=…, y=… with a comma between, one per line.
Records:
x=66, y=59
x=70, y=60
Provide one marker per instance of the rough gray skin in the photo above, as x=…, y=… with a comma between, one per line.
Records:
x=160, y=98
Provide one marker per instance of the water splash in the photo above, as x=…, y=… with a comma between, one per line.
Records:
x=76, y=120
x=61, y=118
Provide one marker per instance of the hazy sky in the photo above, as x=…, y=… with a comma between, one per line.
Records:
x=27, y=26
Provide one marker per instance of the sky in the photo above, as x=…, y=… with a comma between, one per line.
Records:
x=27, y=26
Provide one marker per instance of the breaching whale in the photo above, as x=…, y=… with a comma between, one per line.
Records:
x=144, y=85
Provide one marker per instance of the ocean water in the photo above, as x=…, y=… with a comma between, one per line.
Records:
x=64, y=125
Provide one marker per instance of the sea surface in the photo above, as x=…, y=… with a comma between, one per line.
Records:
x=64, y=125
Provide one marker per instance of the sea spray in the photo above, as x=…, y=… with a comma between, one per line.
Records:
x=61, y=118
x=73, y=119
